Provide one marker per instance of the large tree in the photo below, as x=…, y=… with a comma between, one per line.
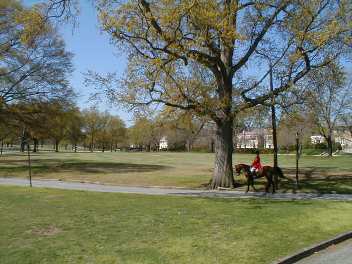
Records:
x=117, y=133
x=145, y=133
x=199, y=55
x=94, y=123
x=329, y=99
x=294, y=120
x=181, y=128
x=75, y=128
x=33, y=60
x=60, y=115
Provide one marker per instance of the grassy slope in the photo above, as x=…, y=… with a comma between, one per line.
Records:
x=172, y=169
x=56, y=226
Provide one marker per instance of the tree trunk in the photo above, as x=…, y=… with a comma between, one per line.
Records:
x=330, y=147
x=23, y=140
x=212, y=146
x=189, y=145
x=56, y=145
x=35, y=145
x=223, y=171
x=22, y=146
x=91, y=143
x=2, y=146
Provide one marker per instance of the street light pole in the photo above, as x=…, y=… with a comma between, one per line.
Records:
x=298, y=154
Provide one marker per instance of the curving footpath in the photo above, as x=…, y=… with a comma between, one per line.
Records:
x=336, y=254
x=171, y=191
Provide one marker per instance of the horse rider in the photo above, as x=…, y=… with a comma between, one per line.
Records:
x=256, y=165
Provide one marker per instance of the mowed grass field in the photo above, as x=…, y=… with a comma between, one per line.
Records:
x=57, y=226
x=192, y=170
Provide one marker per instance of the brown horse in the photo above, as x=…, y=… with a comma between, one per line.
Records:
x=247, y=173
x=271, y=174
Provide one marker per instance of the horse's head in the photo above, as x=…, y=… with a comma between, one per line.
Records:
x=238, y=169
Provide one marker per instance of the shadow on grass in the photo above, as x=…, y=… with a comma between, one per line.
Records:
x=311, y=180
x=318, y=180
x=341, y=185
x=96, y=167
x=52, y=165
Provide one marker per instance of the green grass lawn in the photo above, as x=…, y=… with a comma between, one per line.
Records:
x=58, y=226
x=318, y=174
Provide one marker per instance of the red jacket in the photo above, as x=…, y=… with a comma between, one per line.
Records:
x=256, y=163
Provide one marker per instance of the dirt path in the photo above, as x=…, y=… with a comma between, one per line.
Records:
x=171, y=191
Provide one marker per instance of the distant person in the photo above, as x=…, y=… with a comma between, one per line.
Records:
x=256, y=165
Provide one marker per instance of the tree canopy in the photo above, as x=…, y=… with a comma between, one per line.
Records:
x=33, y=61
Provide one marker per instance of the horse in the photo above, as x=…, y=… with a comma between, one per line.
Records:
x=247, y=173
x=272, y=175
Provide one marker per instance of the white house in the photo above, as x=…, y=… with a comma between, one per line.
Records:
x=255, y=138
x=163, y=143
x=340, y=136
x=345, y=139
x=247, y=139
x=268, y=141
x=317, y=139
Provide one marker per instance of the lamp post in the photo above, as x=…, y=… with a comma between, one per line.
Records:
x=29, y=164
x=24, y=142
x=298, y=155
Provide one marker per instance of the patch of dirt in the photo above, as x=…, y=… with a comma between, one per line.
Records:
x=47, y=231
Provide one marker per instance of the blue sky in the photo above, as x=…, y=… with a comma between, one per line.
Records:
x=92, y=51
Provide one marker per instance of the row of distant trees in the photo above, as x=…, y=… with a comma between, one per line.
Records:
x=62, y=123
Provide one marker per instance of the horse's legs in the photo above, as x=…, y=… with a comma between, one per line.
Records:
x=267, y=184
x=273, y=183
x=252, y=183
x=276, y=181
